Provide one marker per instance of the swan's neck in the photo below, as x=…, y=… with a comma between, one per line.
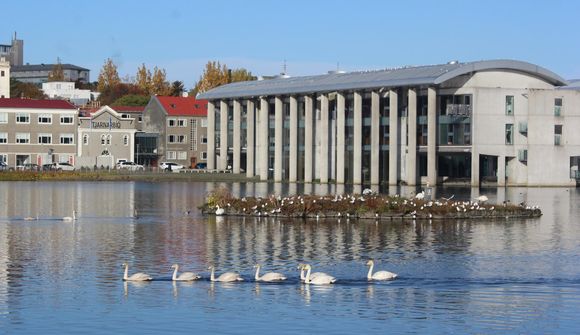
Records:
x=307, y=279
x=370, y=274
x=302, y=274
x=212, y=277
x=126, y=272
x=74, y=216
x=257, y=277
x=175, y=273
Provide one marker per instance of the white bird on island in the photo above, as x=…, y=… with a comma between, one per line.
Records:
x=224, y=277
x=268, y=277
x=136, y=276
x=219, y=211
x=482, y=198
x=379, y=275
x=30, y=218
x=319, y=280
x=420, y=195
x=70, y=218
x=185, y=276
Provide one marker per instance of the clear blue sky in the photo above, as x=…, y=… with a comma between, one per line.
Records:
x=312, y=36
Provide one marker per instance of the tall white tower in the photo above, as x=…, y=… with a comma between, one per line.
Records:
x=4, y=78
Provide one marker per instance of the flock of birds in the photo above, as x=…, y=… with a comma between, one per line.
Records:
x=306, y=275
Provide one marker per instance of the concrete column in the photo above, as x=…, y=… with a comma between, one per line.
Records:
x=500, y=170
x=250, y=140
x=263, y=138
x=308, y=154
x=325, y=143
x=340, y=137
x=210, y=135
x=224, y=135
x=375, y=142
x=431, y=136
x=237, y=145
x=412, y=135
x=293, y=153
x=474, y=167
x=278, y=138
x=393, y=136
x=357, y=141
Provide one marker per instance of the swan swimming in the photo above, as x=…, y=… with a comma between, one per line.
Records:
x=70, y=218
x=224, y=277
x=136, y=276
x=219, y=211
x=314, y=275
x=268, y=277
x=379, y=275
x=30, y=218
x=320, y=280
x=185, y=276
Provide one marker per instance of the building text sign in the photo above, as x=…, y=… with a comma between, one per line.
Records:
x=106, y=124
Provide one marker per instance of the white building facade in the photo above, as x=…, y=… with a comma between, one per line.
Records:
x=503, y=122
x=4, y=78
x=67, y=91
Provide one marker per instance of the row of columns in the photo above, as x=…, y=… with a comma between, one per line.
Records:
x=257, y=147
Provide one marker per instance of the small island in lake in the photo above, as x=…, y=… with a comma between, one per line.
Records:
x=366, y=206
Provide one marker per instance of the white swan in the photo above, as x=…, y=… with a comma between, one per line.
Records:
x=319, y=280
x=219, y=211
x=224, y=277
x=269, y=277
x=312, y=275
x=482, y=198
x=30, y=218
x=70, y=218
x=379, y=275
x=420, y=195
x=136, y=276
x=185, y=276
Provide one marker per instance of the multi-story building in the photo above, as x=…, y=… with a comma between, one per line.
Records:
x=13, y=52
x=502, y=121
x=179, y=124
x=38, y=74
x=105, y=137
x=4, y=78
x=66, y=90
x=37, y=131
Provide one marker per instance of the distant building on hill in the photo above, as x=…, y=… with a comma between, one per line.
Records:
x=38, y=74
x=66, y=90
x=13, y=52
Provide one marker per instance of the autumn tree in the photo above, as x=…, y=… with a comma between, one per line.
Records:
x=159, y=84
x=57, y=72
x=111, y=94
x=108, y=77
x=19, y=89
x=143, y=79
x=215, y=75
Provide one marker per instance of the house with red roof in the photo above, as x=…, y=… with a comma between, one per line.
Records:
x=179, y=127
x=37, y=132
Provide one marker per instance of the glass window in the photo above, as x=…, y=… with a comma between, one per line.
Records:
x=203, y=155
x=182, y=155
x=66, y=119
x=509, y=133
x=509, y=105
x=558, y=106
x=86, y=139
x=67, y=138
x=108, y=139
x=182, y=123
x=3, y=117
x=22, y=138
x=45, y=119
x=3, y=137
x=22, y=118
x=126, y=140
x=103, y=139
x=171, y=155
x=204, y=140
x=171, y=122
x=204, y=123
x=44, y=138
x=557, y=134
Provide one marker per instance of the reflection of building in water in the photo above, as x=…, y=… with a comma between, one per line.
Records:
x=4, y=263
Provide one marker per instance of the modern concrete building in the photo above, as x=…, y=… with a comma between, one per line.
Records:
x=66, y=90
x=37, y=131
x=38, y=74
x=4, y=78
x=500, y=121
x=105, y=137
x=179, y=125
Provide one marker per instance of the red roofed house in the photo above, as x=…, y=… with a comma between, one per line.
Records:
x=37, y=132
x=180, y=126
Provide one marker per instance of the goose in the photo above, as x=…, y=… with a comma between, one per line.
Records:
x=185, y=276
x=268, y=277
x=219, y=211
x=70, y=218
x=312, y=275
x=379, y=275
x=136, y=276
x=320, y=280
x=224, y=277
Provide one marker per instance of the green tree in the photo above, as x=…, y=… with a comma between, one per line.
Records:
x=57, y=72
x=111, y=94
x=132, y=100
x=143, y=79
x=177, y=88
x=25, y=90
x=108, y=77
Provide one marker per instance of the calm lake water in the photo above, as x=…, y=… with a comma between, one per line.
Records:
x=491, y=277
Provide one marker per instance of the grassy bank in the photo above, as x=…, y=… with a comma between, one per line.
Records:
x=115, y=175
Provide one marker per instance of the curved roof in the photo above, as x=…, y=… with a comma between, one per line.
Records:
x=406, y=76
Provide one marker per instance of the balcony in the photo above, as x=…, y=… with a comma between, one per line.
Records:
x=458, y=110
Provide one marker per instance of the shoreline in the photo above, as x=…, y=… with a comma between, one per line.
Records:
x=117, y=175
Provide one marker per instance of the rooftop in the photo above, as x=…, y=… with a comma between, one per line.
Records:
x=404, y=76
x=183, y=106
x=40, y=104
x=45, y=67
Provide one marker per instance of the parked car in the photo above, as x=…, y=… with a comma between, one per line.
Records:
x=201, y=165
x=131, y=166
x=28, y=167
x=63, y=166
x=170, y=166
x=3, y=166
